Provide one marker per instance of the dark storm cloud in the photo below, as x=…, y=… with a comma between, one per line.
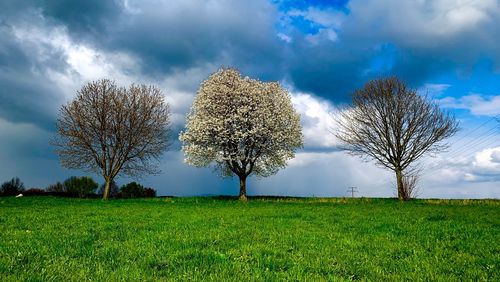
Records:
x=170, y=35
x=83, y=18
x=89, y=16
x=25, y=92
x=167, y=36
x=332, y=72
x=184, y=34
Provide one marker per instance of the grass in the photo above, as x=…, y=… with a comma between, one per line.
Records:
x=57, y=239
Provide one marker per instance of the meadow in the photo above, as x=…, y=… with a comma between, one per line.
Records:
x=264, y=239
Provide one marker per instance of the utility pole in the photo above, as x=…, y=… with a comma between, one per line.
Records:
x=352, y=190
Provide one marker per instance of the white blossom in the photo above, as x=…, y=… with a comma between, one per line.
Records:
x=242, y=126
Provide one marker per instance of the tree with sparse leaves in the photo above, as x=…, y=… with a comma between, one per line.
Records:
x=393, y=125
x=242, y=125
x=80, y=186
x=109, y=129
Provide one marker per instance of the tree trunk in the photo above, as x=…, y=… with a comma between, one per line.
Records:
x=243, y=188
x=106, y=189
x=399, y=181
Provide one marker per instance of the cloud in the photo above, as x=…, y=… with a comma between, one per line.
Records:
x=170, y=35
x=284, y=37
x=479, y=165
x=479, y=105
x=495, y=157
x=43, y=67
x=16, y=137
x=52, y=66
x=317, y=121
x=433, y=89
x=325, y=50
x=49, y=49
x=26, y=93
x=486, y=162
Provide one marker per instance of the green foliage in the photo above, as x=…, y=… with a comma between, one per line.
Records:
x=136, y=190
x=12, y=187
x=80, y=186
x=149, y=192
x=132, y=190
x=56, y=188
x=178, y=239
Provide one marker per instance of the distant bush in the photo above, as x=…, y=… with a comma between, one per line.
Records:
x=80, y=186
x=86, y=187
x=34, y=192
x=56, y=188
x=149, y=192
x=114, y=190
x=136, y=190
x=12, y=187
x=132, y=190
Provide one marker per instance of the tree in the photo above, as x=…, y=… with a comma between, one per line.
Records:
x=113, y=189
x=149, y=192
x=132, y=190
x=393, y=125
x=136, y=190
x=56, y=188
x=242, y=125
x=80, y=186
x=108, y=129
x=12, y=187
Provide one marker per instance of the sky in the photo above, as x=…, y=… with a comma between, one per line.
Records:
x=321, y=51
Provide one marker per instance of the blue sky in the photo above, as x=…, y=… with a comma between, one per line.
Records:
x=320, y=50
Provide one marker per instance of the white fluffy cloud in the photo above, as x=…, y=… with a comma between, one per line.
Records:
x=317, y=120
x=481, y=165
x=433, y=90
x=487, y=161
x=479, y=105
x=422, y=19
x=328, y=22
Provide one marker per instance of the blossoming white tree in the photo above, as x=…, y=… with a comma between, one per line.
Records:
x=241, y=125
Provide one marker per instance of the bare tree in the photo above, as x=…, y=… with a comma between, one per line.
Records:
x=12, y=187
x=393, y=125
x=108, y=129
x=243, y=125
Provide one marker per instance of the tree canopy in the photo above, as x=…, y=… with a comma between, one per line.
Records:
x=241, y=125
x=109, y=129
x=393, y=125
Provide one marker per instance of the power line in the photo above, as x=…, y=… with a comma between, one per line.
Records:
x=485, y=146
x=465, y=154
x=474, y=130
x=474, y=142
x=487, y=137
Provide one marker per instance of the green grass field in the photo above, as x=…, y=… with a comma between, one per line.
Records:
x=57, y=239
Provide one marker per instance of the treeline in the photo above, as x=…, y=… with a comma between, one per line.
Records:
x=78, y=187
